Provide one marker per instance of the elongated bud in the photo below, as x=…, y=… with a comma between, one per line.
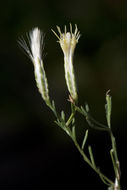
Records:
x=34, y=50
x=68, y=41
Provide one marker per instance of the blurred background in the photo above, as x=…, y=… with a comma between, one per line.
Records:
x=34, y=152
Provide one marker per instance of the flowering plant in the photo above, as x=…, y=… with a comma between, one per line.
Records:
x=68, y=41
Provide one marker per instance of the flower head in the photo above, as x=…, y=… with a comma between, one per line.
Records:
x=36, y=42
x=34, y=51
x=68, y=41
x=34, y=48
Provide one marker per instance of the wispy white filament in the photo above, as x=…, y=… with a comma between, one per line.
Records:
x=36, y=42
x=35, y=53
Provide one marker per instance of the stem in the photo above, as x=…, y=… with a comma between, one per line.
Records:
x=69, y=132
x=114, y=155
x=97, y=125
x=106, y=180
x=92, y=122
x=115, y=159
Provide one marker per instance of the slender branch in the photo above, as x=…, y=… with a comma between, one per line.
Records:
x=113, y=152
x=86, y=159
x=91, y=121
x=115, y=159
x=64, y=126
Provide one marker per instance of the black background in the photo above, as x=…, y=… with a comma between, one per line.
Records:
x=34, y=152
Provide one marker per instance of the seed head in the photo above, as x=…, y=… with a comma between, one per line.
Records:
x=34, y=51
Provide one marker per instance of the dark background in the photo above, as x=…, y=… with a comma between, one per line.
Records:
x=34, y=152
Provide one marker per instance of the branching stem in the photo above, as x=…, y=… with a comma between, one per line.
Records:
x=87, y=160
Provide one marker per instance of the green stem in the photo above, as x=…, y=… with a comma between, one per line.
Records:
x=106, y=180
x=113, y=152
x=92, y=122
x=115, y=159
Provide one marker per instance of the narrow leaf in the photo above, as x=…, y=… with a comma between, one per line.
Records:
x=104, y=180
x=96, y=125
x=83, y=111
x=108, y=108
x=63, y=115
x=110, y=188
x=87, y=107
x=91, y=156
x=54, y=108
x=53, y=105
x=73, y=121
x=73, y=132
x=84, y=139
x=58, y=123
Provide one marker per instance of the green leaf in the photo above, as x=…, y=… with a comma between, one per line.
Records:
x=63, y=115
x=53, y=104
x=95, y=124
x=70, y=120
x=91, y=156
x=84, y=139
x=73, y=132
x=54, y=108
x=110, y=188
x=58, y=123
x=104, y=180
x=87, y=107
x=83, y=111
x=108, y=108
x=73, y=121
